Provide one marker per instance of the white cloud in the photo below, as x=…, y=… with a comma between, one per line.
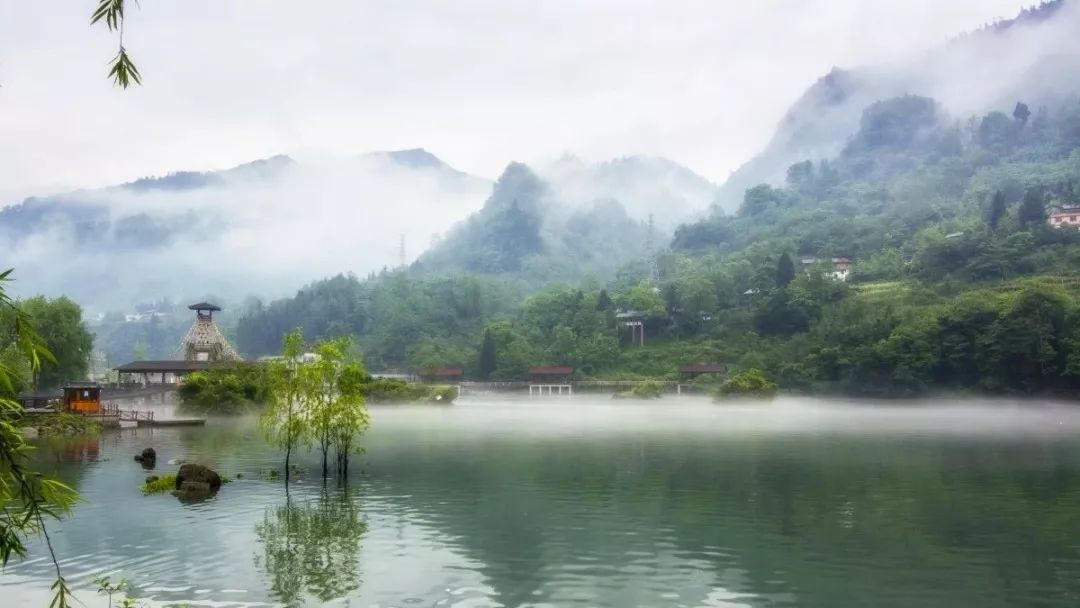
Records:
x=478, y=82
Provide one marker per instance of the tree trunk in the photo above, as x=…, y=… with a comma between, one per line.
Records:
x=288, y=453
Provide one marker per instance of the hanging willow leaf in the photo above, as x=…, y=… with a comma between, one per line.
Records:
x=123, y=71
x=112, y=11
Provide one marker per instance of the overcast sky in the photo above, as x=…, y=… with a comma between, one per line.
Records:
x=477, y=82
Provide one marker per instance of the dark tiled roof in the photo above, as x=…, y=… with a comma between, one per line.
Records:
x=544, y=370
x=169, y=366
x=703, y=368
x=204, y=306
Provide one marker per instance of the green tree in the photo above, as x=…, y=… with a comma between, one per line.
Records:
x=350, y=418
x=59, y=323
x=785, y=271
x=27, y=497
x=603, y=301
x=487, y=363
x=332, y=395
x=996, y=211
x=1033, y=208
x=282, y=421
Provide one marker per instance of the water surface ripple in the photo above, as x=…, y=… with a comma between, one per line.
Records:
x=591, y=502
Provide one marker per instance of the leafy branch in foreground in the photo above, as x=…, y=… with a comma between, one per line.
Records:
x=26, y=496
x=122, y=70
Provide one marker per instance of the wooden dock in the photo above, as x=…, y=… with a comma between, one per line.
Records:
x=146, y=417
x=173, y=422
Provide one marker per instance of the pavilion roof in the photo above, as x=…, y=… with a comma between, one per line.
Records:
x=204, y=306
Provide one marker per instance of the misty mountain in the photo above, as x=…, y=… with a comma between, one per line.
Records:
x=642, y=185
x=263, y=227
x=1034, y=57
x=571, y=221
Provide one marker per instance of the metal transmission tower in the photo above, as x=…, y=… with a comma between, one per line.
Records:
x=650, y=251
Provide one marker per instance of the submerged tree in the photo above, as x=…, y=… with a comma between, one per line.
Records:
x=282, y=421
x=333, y=395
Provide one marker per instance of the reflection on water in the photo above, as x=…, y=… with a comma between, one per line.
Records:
x=311, y=547
x=598, y=503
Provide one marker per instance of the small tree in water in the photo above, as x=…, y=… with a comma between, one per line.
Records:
x=283, y=419
x=350, y=417
x=333, y=387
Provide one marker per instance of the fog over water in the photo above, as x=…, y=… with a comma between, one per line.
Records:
x=505, y=501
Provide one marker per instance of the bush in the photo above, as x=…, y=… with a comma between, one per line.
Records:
x=62, y=423
x=645, y=390
x=392, y=390
x=750, y=383
x=233, y=390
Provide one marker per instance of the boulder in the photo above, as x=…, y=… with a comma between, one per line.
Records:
x=199, y=474
x=151, y=479
x=193, y=490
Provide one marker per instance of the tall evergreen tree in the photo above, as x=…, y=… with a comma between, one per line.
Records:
x=785, y=271
x=997, y=210
x=603, y=301
x=487, y=362
x=1033, y=208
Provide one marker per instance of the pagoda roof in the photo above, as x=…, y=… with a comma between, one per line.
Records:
x=204, y=306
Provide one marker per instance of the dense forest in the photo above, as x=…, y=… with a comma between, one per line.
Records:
x=956, y=279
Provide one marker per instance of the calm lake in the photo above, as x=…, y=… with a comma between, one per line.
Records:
x=594, y=502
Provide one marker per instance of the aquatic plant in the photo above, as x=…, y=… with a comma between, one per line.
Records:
x=109, y=588
x=159, y=485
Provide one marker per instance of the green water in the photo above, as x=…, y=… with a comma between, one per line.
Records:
x=590, y=502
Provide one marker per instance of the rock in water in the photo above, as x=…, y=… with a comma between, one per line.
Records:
x=193, y=490
x=199, y=474
x=147, y=455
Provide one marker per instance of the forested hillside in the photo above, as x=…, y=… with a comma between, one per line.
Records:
x=1034, y=56
x=956, y=280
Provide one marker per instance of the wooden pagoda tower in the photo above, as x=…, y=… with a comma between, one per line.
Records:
x=204, y=341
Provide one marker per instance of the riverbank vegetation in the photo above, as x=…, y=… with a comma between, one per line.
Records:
x=236, y=389
x=920, y=258
x=61, y=424
x=751, y=383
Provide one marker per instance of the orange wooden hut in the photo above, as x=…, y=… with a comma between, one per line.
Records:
x=82, y=398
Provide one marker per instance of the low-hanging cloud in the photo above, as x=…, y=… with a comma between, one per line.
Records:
x=263, y=234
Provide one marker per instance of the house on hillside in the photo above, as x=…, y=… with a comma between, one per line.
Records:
x=841, y=266
x=1065, y=216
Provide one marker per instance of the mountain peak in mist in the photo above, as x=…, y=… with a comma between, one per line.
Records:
x=1032, y=57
